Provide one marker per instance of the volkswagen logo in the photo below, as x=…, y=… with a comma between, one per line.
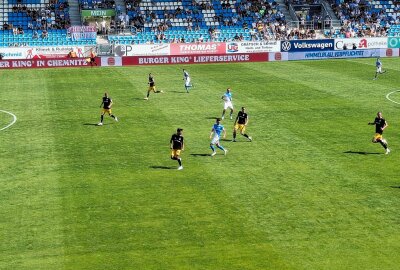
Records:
x=286, y=46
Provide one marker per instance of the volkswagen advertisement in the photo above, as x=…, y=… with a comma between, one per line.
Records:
x=307, y=45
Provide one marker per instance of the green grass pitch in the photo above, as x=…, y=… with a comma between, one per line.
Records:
x=310, y=192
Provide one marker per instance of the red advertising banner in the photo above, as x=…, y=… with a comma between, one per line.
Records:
x=194, y=59
x=44, y=63
x=197, y=48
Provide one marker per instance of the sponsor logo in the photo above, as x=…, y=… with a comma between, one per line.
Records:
x=307, y=45
x=363, y=43
x=286, y=46
x=110, y=61
x=278, y=56
x=120, y=50
x=198, y=47
x=233, y=47
x=389, y=52
x=394, y=42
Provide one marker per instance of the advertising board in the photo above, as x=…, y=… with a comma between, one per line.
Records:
x=394, y=42
x=142, y=49
x=82, y=32
x=334, y=54
x=253, y=46
x=111, y=61
x=98, y=12
x=41, y=52
x=307, y=45
x=194, y=59
x=197, y=48
x=43, y=63
x=278, y=56
x=360, y=43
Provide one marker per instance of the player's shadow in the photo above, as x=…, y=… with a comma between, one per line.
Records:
x=212, y=117
x=91, y=124
x=200, y=155
x=395, y=186
x=362, y=153
x=163, y=167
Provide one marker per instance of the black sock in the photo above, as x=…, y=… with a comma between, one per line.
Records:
x=180, y=161
x=112, y=116
x=101, y=118
x=148, y=94
x=234, y=135
x=247, y=136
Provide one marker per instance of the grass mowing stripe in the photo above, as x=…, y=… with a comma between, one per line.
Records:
x=31, y=185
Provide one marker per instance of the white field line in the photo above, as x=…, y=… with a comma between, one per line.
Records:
x=12, y=123
x=388, y=97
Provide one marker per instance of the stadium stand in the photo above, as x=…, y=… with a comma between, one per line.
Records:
x=366, y=18
x=45, y=22
x=36, y=23
x=201, y=21
x=97, y=4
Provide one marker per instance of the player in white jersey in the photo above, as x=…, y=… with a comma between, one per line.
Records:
x=378, y=65
x=215, y=135
x=186, y=78
x=227, y=98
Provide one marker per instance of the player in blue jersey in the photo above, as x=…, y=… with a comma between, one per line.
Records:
x=215, y=135
x=186, y=78
x=378, y=65
x=227, y=98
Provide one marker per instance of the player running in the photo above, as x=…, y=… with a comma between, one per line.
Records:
x=106, y=103
x=215, y=135
x=241, y=121
x=152, y=86
x=380, y=124
x=186, y=78
x=177, y=145
x=227, y=98
x=378, y=65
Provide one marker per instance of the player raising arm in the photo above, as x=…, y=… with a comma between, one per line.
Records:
x=186, y=78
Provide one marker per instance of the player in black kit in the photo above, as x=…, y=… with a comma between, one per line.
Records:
x=106, y=103
x=240, y=124
x=177, y=145
x=152, y=87
x=380, y=124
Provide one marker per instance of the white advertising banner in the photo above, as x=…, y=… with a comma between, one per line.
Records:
x=278, y=56
x=111, y=61
x=360, y=43
x=41, y=52
x=253, y=46
x=142, y=49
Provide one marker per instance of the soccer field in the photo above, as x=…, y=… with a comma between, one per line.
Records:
x=310, y=192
